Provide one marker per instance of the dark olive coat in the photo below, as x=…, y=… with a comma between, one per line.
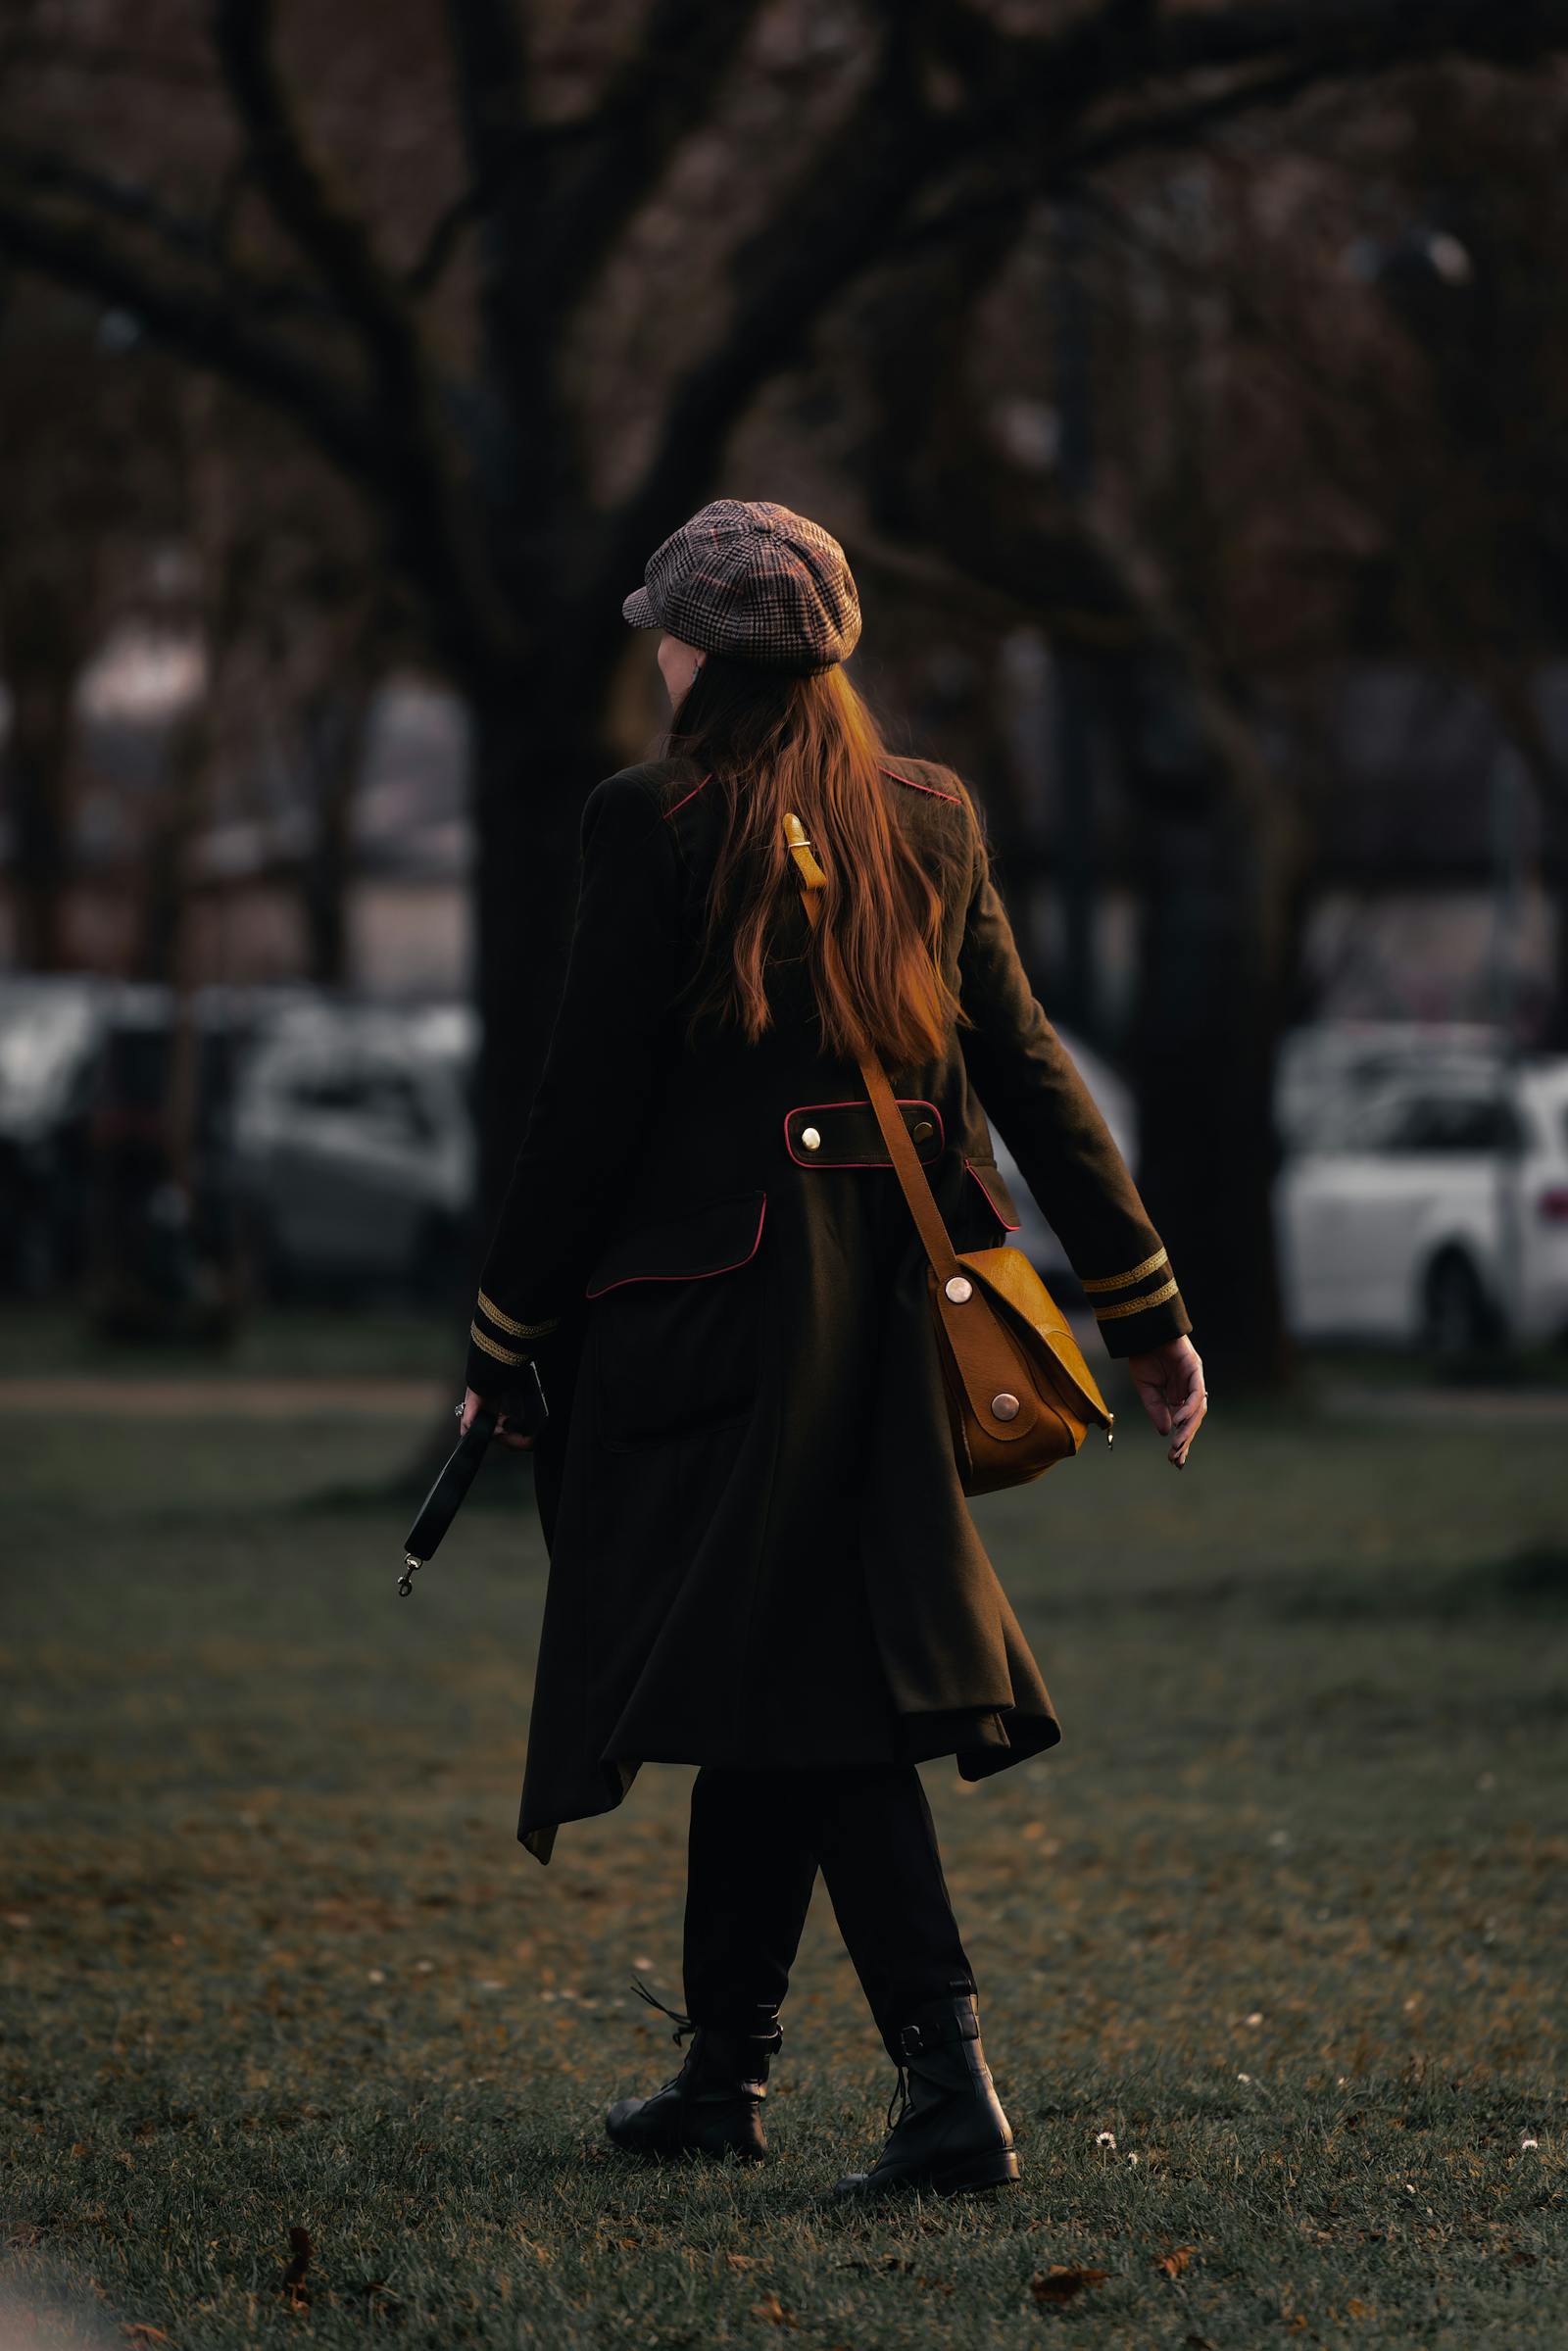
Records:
x=760, y=1550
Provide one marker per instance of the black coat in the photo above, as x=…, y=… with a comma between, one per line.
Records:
x=760, y=1550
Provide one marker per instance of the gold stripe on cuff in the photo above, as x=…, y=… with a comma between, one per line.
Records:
x=501, y=1355
x=1136, y=1306
x=1119, y=1281
x=518, y=1330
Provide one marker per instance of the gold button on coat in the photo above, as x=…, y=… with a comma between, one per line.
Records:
x=812, y=1139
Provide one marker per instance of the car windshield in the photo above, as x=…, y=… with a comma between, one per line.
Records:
x=1433, y=1119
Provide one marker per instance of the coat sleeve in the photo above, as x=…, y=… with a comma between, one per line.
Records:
x=600, y=1072
x=1032, y=1091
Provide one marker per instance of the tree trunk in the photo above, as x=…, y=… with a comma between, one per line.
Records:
x=1219, y=926
x=335, y=725
x=42, y=659
x=531, y=770
x=536, y=756
x=1515, y=697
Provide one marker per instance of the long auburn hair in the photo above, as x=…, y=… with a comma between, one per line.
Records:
x=771, y=741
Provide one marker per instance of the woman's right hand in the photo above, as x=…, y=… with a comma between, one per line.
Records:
x=1169, y=1381
x=473, y=1403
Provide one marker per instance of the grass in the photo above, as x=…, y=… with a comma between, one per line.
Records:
x=1282, y=1915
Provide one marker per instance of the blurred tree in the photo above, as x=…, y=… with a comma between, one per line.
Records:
x=521, y=285
x=83, y=482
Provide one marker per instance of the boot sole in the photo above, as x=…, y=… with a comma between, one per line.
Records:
x=997, y=2169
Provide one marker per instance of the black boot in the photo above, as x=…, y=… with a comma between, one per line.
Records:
x=950, y=2132
x=714, y=2102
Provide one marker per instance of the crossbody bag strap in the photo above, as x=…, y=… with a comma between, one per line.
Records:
x=906, y=1159
x=987, y=1361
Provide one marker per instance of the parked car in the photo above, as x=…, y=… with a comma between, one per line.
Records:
x=51, y=1031
x=163, y=1254
x=1433, y=1209
x=355, y=1150
x=1322, y=1065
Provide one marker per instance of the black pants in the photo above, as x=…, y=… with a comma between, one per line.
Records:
x=758, y=1839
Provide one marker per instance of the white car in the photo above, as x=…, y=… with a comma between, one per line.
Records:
x=1433, y=1210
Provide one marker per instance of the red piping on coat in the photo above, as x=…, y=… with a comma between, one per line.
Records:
x=705, y=1275
x=686, y=795
x=855, y=1102
x=914, y=787
x=995, y=1212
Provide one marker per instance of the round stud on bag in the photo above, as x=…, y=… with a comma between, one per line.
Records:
x=1004, y=1406
x=811, y=1140
x=959, y=1288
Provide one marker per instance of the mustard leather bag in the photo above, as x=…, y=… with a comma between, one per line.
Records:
x=1020, y=1396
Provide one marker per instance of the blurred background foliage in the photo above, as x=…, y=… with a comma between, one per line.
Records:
x=1183, y=379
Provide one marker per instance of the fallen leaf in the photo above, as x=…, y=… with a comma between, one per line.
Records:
x=772, y=2307
x=1176, y=2261
x=1062, y=2281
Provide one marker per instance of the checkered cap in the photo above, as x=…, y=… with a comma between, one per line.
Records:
x=752, y=580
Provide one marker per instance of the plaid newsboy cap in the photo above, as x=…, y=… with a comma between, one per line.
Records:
x=753, y=579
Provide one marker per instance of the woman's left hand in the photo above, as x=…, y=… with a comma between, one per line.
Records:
x=1169, y=1381
x=471, y=1403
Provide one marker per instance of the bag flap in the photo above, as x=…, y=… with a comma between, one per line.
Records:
x=712, y=1238
x=1014, y=1285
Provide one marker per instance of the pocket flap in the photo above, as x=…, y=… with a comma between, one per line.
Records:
x=714, y=1238
x=849, y=1134
x=987, y=1175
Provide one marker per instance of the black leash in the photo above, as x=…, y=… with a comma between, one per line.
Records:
x=439, y=1508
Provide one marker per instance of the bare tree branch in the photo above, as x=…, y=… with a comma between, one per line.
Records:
x=110, y=62
x=490, y=67
x=210, y=329
x=440, y=520
x=1127, y=44
x=784, y=277
x=179, y=236
x=1368, y=32
x=1365, y=40
x=491, y=95
x=682, y=53
x=328, y=233
x=445, y=234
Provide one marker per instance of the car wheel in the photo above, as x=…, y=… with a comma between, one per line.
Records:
x=1456, y=1318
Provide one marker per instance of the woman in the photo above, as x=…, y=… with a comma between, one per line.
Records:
x=761, y=1560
